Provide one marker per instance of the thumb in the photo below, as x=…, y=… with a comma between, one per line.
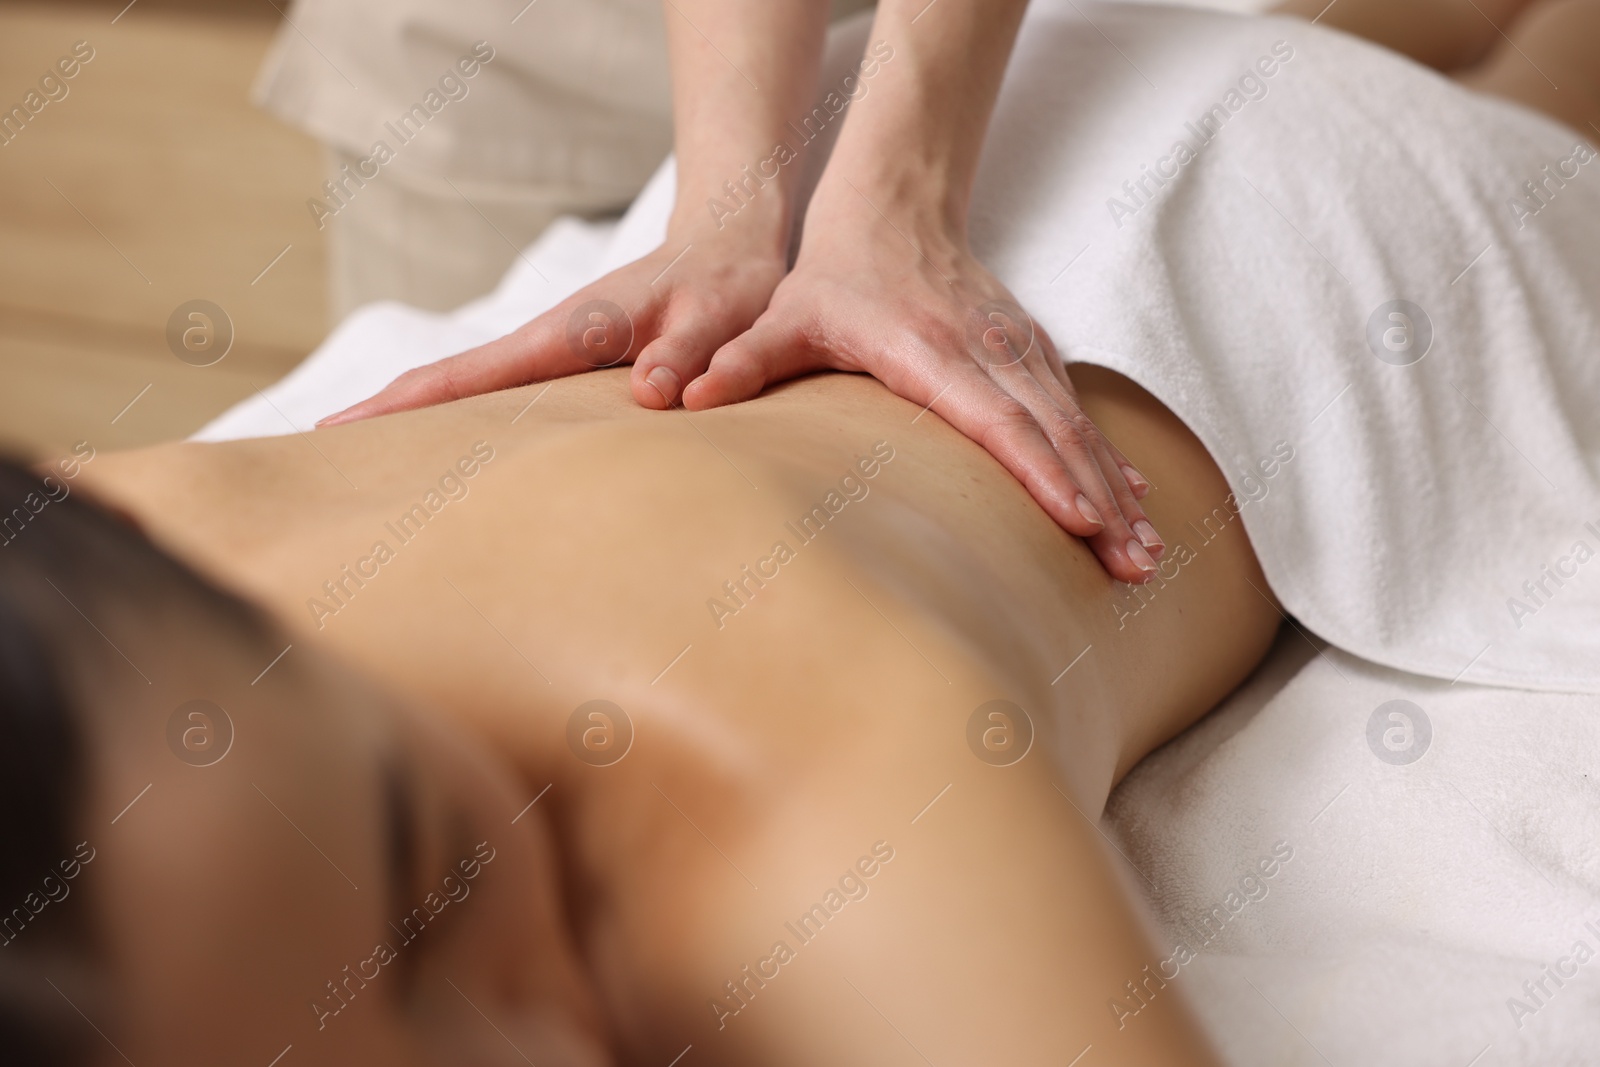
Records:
x=771, y=351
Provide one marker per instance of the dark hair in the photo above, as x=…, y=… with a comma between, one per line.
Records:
x=61, y=555
x=40, y=766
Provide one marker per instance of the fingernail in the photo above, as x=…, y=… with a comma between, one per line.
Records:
x=1136, y=482
x=1088, y=512
x=1149, y=538
x=664, y=380
x=1140, y=557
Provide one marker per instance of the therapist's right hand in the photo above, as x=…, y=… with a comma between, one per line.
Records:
x=666, y=314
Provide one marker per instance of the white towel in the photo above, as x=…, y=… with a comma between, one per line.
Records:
x=1420, y=896
x=1420, y=498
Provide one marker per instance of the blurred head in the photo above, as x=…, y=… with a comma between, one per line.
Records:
x=206, y=860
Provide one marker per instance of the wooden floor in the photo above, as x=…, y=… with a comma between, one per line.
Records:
x=154, y=182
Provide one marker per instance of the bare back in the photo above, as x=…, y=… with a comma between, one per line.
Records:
x=799, y=604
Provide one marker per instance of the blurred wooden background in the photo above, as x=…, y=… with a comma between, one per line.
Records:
x=153, y=183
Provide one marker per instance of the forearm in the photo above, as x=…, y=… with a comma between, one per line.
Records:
x=741, y=72
x=912, y=146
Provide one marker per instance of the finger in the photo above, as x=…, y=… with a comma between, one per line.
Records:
x=437, y=383
x=1121, y=476
x=681, y=354
x=537, y=351
x=1137, y=482
x=1128, y=545
x=1133, y=513
x=1113, y=471
x=771, y=351
x=979, y=408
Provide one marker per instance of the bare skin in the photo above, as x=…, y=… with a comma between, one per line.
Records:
x=1548, y=63
x=1541, y=54
x=1447, y=35
x=814, y=723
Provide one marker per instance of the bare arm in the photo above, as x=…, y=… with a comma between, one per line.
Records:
x=740, y=73
x=912, y=147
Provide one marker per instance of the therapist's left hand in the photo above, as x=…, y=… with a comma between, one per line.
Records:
x=910, y=305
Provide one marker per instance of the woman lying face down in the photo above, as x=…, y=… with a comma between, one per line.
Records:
x=541, y=728
x=848, y=818
x=159, y=909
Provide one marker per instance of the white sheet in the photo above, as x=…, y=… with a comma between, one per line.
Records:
x=1420, y=896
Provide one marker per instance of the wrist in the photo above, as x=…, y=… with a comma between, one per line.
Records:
x=914, y=177
x=918, y=208
x=737, y=209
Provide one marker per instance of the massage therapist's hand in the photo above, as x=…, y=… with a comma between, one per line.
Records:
x=885, y=283
x=910, y=305
x=681, y=309
x=675, y=313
